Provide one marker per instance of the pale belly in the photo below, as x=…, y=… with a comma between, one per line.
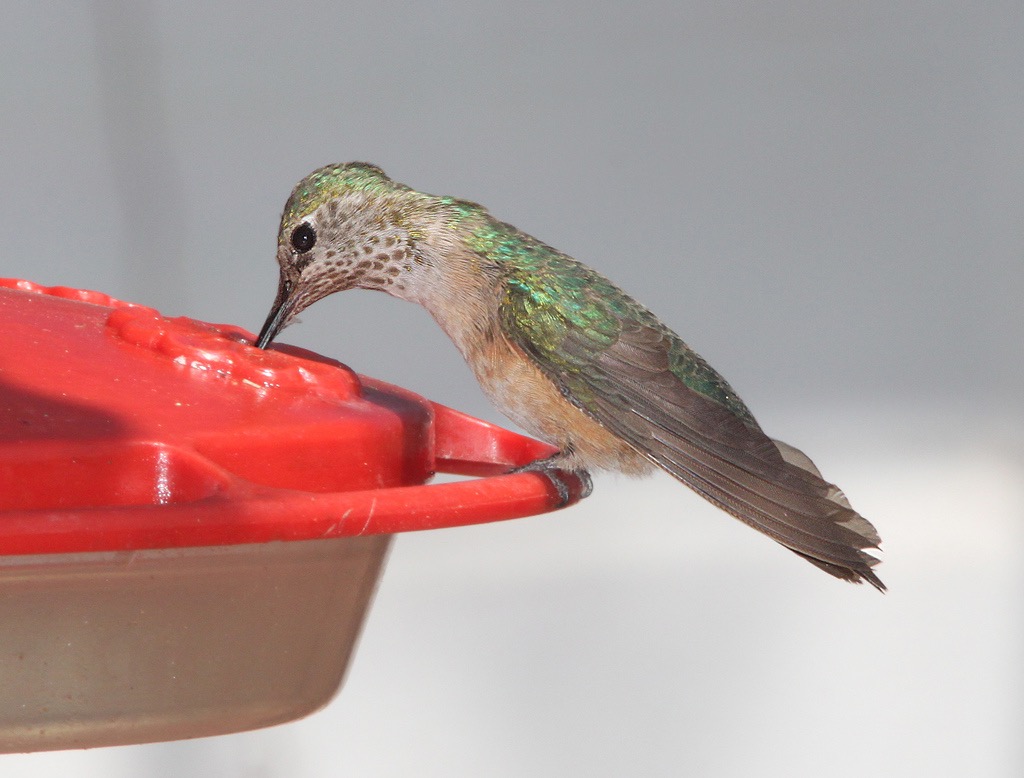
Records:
x=523, y=393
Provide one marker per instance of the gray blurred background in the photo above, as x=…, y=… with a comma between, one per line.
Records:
x=823, y=198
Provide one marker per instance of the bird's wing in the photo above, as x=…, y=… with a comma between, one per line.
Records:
x=616, y=362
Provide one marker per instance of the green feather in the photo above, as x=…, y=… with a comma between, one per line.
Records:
x=566, y=314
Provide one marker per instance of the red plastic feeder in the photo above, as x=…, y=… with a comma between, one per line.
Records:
x=191, y=529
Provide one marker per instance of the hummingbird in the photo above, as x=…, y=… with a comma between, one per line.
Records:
x=563, y=352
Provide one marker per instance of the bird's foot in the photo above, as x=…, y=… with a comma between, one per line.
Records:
x=551, y=467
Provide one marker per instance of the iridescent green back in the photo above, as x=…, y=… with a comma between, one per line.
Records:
x=567, y=314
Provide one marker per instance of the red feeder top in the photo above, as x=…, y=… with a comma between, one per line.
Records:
x=121, y=429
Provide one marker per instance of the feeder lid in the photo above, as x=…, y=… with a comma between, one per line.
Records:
x=123, y=429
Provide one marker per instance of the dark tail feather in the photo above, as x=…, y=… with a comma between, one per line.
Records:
x=853, y=576
x=799, y=459
x=770, y=486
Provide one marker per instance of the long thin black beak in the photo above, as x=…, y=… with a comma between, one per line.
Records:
x=278, y=315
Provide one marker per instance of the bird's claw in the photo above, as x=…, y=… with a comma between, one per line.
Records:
x=549, y=467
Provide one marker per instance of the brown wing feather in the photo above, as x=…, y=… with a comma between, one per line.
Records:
x=631, y=390
x=616, y=362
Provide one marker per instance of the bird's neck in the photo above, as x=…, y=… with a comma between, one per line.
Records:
x=457, y=286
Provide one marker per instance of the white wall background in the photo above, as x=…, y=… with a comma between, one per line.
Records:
x=823, y=198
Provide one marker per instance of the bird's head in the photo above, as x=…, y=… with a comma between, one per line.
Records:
x=344, y=227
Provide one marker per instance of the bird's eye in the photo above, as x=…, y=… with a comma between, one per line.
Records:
x=303, y=238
